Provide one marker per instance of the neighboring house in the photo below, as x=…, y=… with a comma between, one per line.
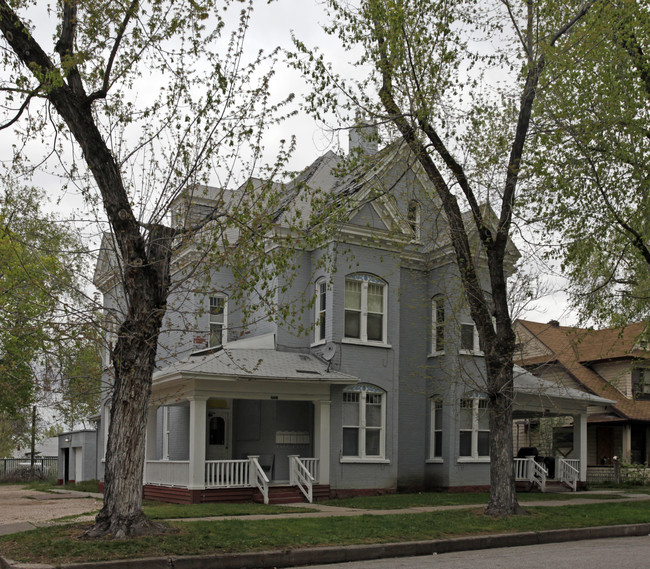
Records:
x=385, y=390
x=612, y=363
x=77, y=456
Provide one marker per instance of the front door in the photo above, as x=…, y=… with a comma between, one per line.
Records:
x=218, y=435
x=605, y=445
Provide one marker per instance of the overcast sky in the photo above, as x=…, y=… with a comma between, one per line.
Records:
x=271, y=26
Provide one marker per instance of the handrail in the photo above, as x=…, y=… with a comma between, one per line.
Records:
x=537, y=474
x=568, y=474
x=258, y=478
x=300, y=476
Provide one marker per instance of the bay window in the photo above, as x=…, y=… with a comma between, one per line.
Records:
x=364, y=417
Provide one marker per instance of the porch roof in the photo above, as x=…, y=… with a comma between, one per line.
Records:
x=255, y=364
x=527, y=384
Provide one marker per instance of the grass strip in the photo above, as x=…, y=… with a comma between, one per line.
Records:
x=163, y=511
x=61, y=544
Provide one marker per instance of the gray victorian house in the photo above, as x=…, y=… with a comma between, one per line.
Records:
x=383, y=391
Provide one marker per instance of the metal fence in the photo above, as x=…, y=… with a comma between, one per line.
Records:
x=47, y=465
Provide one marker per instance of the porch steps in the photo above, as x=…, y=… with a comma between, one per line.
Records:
x=556, y=487
x=292, y=495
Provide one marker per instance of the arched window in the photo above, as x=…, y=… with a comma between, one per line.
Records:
x=364, y=417
x=365, y=308
x=474, y=427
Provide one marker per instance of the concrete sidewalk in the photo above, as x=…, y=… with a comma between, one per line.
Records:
x=339, y=554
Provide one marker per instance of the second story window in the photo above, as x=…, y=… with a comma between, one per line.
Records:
x=365, y=308
x=641, y=383
x=218, y=319
x=437, y=325
x=320, y=316
x=469, y=340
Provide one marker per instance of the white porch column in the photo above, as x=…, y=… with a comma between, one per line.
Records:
x=150, y=439
x=580, y=442
x=198, y=413
x=627, y=444
x=322, y=439
x=152, y=429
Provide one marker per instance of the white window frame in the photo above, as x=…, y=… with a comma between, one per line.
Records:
x=477, y=402
x=365, y=279
x=435, y=451
x=320, y=311
x=437, y=310
x=224, y=320
x=476, y=347
x=364, y=395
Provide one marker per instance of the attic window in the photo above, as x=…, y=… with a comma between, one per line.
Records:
x=413, y=217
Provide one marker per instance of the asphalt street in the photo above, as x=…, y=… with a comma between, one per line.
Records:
x=615, y=553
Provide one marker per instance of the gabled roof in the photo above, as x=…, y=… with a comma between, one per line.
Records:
x=573, y=348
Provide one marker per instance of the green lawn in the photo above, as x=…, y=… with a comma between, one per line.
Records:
x=399, y=501
x=61, y=544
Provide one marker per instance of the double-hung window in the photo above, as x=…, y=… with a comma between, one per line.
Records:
x=469, y=340
x=320, y=316
x=365, y=308
x=437, y=325
x=474, y=426
x=364, y=417
x=435, y=438
x=218, y=319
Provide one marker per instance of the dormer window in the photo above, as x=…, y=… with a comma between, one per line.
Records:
x=413, y=217
x=218, y=319
x=365, y=308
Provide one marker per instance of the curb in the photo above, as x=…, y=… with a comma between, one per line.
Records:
x=323, y=555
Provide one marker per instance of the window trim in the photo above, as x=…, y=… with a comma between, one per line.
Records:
x=224, y=323
x=321, y=290
x=366, y=279
x=363, y=390
x=437, y=326
x=435, y=407
x=476, y=399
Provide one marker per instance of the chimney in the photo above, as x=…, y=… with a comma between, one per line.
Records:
x=365, y=137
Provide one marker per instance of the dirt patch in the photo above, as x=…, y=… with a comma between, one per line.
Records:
x=18, y=505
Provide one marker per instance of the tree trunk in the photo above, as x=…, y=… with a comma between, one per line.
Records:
x=503, y=497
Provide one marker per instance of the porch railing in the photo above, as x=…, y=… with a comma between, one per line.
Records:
x=530, y=470
x=258, y=478
x=300, y=476
x=227, y=473
x=568, y=472
x=167, y=472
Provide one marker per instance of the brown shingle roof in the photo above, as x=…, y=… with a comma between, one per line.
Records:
x=574, y=347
